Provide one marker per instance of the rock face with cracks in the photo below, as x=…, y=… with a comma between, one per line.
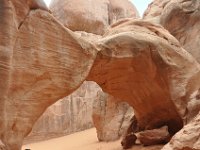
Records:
x=42, y=61
x=161, y=85
x=95, y=17
x=66, y=116
x=111, y=117
x=181, y=19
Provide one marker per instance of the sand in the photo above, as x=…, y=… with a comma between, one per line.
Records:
x=85, y=140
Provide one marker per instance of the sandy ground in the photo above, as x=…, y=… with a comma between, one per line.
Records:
x=85, y=140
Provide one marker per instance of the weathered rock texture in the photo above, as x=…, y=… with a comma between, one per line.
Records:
x=181, y=18
x=166, y=82
x=136, y=61
x=188, y=138
x=111, y=118
x=71, y=114
x=154, y=137
x=59, y=125
x=41, y=62
x=92, y=16
x=95, y=16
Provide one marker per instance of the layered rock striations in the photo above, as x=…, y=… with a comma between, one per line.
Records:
x=135, y=61
x=89, y=18
x=51, y=124
x=37, y=67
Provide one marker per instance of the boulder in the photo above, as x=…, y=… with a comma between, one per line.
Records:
x=135, y=61
x=187, y=138
x=181, y=18
x=154, y=136
x=92, y=16
x=111, y=118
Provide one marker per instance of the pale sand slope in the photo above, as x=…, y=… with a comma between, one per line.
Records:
x=85, y=140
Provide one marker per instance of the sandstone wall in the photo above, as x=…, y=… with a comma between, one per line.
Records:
x=111, y=118
x=71, y=114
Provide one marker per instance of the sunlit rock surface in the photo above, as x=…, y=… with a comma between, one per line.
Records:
x=136, y=61
x=111, y=118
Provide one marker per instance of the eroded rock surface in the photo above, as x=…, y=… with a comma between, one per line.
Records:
x=154, y=137
x=169, y=70
x=111, y=117
x=188, y=138
x=181, y=18
x=34, y=73
x=66, y=116
x=136, y=61
x=92, y=16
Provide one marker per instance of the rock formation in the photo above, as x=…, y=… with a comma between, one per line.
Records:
x=135, y=61
x=181, y=18
x=161, y=85
x=65, y=116
x=111, y=117
x=96, y=19
x=187, y=138
x=34, y=73
x=92, y=16
x=51, y=124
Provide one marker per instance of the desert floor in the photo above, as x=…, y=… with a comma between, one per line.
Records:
x=85, y=140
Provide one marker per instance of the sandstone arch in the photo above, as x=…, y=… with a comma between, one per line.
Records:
x=40, y=66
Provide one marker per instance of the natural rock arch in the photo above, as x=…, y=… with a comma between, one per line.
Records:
x=40, y=66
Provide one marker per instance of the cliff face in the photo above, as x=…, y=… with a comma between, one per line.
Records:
x=70, y=114
x=181, y=19
x=134, y=61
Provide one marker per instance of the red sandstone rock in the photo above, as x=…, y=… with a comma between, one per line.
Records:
x=181, y=18
x=42, y=61
x=127, y=49
x=154, y=137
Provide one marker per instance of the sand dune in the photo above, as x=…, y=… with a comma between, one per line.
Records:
x=85, y=140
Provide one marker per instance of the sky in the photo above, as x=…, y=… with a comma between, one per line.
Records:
x=141, y=5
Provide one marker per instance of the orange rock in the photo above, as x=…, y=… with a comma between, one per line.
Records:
x=42, y=61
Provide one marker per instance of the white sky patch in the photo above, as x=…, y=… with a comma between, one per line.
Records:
x=141, y=5
x=47, y=2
